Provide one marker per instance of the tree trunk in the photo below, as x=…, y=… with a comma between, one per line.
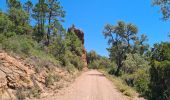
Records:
x=117, y=71
x=119, y=64
x=49, y=32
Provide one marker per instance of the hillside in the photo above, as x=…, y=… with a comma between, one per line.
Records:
x=19, y=79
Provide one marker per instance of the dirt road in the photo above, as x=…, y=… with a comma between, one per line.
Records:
x=91, y=85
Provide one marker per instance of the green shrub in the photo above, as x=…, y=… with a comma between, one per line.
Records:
x=136, y=72
x=71, y=60
x=45, y=57
x=160, y=72
x=58, y=47
x=6, y=26
x=19, y=44
x=70, y=68
x=38, y=68
x=159, y=85
x=74, y=44
x=111, y=70
x=10, y=45
x=120, y=84
x=10, y=34
x=141, y=81
x=94, y=65
x=35, y=91
x=50, y=79
x=25, y=47
x=77, y=62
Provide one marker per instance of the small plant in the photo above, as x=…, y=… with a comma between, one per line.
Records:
x=71, y=68
x=20, y=94
x=25, y=80
x=77, y=63
x=38, y=69
x=50, y=79
x=122, y=87
x=35, y=91
x=25, y=48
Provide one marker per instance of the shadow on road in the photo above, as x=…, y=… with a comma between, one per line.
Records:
x=100, y=75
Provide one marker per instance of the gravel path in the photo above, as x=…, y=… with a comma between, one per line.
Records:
x=91, y=85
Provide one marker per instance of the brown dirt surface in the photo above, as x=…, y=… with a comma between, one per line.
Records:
x=91, y=85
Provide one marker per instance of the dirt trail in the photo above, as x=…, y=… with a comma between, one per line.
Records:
x=91, y=85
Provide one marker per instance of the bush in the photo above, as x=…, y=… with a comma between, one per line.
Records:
x=111, y=70
x=74, y=44
x=120, y=84
x=141, y=81
x=136, y=73
x=77, y=62
x=19, y=44
x=70, y=68
x=134, y=62
x=25, y=47
x=160, y=72
x=50, y=79
x=58, y=48
x=10, y=34
x=70, y=59
x=35, y=91
x=6, y=26
x=38, y=68
x=159, y=85
x=94, y=65
x=96, y=61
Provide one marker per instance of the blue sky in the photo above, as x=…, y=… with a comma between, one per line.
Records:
x=92, y=15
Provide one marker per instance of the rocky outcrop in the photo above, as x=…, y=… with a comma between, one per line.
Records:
x=21, y=77
x=80, y=35
x=13, y=73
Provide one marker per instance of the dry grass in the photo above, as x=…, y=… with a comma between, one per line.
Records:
x=121, y=86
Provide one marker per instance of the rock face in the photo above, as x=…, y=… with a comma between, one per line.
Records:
x=13, y=73
x=19, y=76
x=80, y=35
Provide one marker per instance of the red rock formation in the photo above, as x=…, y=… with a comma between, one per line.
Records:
x=80, y=35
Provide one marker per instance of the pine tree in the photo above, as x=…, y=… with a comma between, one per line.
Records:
x=28, y=7
x=54, y=12
x=39, y=14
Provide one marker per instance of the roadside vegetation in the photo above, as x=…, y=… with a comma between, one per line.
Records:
x=146, y=74
x=133, y=62
x=120, y=84
x=47, y=39
x=45, y=44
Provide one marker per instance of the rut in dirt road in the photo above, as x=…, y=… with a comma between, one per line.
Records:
x=91, y=85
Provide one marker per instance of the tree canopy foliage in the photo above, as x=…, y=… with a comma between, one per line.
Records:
x=47, y=35
x=123, y=39
x=160, y=72
x=164, y=6
x=146, y=69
